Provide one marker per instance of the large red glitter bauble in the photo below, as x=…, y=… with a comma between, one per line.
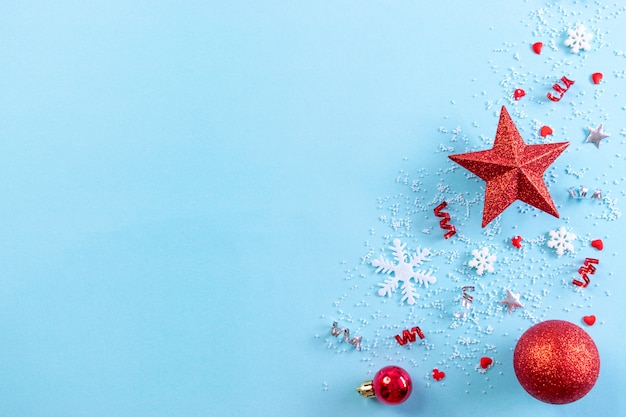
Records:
x=556, y=362
x=392, y=385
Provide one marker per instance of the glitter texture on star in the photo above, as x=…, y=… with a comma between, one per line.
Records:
x=513, y=170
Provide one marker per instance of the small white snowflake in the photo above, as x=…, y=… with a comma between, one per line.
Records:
x=561, y=240
x=578, y=39
x=404, y=270
x=482, y=261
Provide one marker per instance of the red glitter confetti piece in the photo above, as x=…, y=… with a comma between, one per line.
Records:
x=589, y=320
x=596, y=77
x=537, y=47
x=597, y=243
x=556, y=87
x=545, y=131
x=438, y=375
x=518, y=93
x=485, y=362
x=409, y=336
x=517, y=241
x=583, y=270
x=445, y=220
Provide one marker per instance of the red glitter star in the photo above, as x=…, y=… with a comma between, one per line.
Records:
x=513, y=170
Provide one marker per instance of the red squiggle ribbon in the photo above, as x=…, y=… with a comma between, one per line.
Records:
x=587, y=268
x=445, y=220
x=409, y=336
x=556, y=87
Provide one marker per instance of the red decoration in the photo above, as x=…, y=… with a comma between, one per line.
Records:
x=537, y=47
x=589, y=320
x=485, y=362
x=556, y=362
x=583, y=270
x=409, y=336
x=445, y=220
x=513, y=170
x=517, y=241
x=545, y=131
x=560, y=90
x=596, y=77
x=438, y=375
x=598, y=244
x=518, y=93
x=391, y=385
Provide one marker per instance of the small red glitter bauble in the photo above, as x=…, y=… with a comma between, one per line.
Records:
x=392, y=385
x=556, y=362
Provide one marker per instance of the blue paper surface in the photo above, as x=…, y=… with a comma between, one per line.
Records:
x=192, y=194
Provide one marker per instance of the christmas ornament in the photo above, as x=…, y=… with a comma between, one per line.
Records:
x=391, y=385
x=596, y=77
x=438, y=375
x=513, y=170
x=409, y=336
x=512, y=300
x=336, y=331
x=596, y=135
x=545, y=131
x=485, y=362
x=556, y=87
x=445, y=220
x=589, y=320
x=556, y=362
x=466, y=301
x=587, y=268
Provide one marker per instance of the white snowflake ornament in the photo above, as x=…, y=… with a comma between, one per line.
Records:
x=483, y=261
x=578, y=39
x=403, y=269
x=561, y=240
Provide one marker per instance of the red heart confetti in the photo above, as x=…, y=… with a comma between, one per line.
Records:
x=596, y=77
x=438, y=375
x=589, y=320
x=517, y=242
x=545, y=131
x=597, y=243
x=485, y=362
x=537, y=47
x=518, y=93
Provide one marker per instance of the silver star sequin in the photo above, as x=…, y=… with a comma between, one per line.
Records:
x=512, y=300
x=596, y=135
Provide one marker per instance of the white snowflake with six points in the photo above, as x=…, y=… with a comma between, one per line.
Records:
x=403, y=269
x=561, y=240
x=578, y=39
x=482, y=261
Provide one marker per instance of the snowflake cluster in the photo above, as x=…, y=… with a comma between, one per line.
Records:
x=561, y=240
x=578, y=39
x=482, y=261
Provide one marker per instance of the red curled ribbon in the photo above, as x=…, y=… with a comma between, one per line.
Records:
x=409, y=336
x=445, y=220
x=584, y=270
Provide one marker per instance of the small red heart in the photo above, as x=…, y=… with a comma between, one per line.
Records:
x=518, y=93
x=438, y=375
x=597, y=244
x=596, y=77
x=545, y=131
x=537, y=47
x=589, y=320
x=517, y=241
x=485, y=362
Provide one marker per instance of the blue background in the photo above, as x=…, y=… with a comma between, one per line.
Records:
x=185, y=187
